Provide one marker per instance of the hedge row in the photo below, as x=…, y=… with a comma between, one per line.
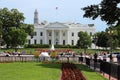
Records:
x=48, y=46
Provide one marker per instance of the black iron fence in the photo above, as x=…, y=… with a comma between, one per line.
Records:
x=112, y=69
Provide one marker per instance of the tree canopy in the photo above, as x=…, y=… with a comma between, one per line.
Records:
x=107, y=10
x=13, y=30
x=84, y=40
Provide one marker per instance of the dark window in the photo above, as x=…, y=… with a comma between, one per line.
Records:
x=90, y=33
x=63, y=42
x=72, y=34
x=50, y=42
x=50, y=34
x=41, y=42
x=56, y=41
x=41, y=34
x=35, y=41
x=72, y=42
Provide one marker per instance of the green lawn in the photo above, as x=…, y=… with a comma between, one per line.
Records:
x=39, y=71
x=90, y=74
x=29, y=71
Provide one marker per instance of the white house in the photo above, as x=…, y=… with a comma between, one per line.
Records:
x=57, y=32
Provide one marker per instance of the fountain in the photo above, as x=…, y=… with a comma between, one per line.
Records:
x=52, y=47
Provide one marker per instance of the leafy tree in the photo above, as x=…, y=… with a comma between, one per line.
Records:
x=15, y=37
x=103, y=38
x=29, y=29
x=107, y=10
x=95, y=38
x=84, y=40
x=11, y=18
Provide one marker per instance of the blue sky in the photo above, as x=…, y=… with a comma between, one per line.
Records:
x=68, y=10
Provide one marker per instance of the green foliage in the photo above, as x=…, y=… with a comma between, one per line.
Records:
x=36, y=46
x=65, y=46
x=29, y=29
x=15, y=37
x=103, y=38
x=11, y=18
x=84, y=40
x=12, y=28
x=107, y=10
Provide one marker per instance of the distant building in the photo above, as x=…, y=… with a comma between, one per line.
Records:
x=58, y=33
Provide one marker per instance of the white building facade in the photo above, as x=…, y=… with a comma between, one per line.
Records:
x=58, y=33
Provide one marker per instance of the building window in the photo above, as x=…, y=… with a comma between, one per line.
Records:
x=72, y=42
x=41, y=33
x=29, y=42
x=50, y=42
x=72, y=34
x=41, y=42
x=50, y=33
x=35, y=41
x=90, y=33
x=63, y=33
x=57, y=41
x=35, y=33
x=63, y=42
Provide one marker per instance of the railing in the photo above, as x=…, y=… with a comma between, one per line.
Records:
x=111, y=69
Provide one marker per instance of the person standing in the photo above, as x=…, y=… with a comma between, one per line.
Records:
x=111, y=58
x=95, y=60
x=104, y=57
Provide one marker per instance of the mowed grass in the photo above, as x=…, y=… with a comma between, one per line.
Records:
x=90, y=74
x=29, y=71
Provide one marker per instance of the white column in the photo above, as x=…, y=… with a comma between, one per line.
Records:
x=68, y=39
x=53, y=37
x=45, y=38
x=60, y=42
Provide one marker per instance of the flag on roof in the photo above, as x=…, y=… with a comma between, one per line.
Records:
x=56, y=8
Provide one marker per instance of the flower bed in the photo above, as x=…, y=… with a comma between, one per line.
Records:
x=71, y=72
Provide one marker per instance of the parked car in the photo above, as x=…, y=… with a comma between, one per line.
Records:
x=114, y=54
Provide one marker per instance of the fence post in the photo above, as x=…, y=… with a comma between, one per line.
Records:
x=118, y=72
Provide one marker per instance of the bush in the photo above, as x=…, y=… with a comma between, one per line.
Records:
x=48, y=46
x=36, y=46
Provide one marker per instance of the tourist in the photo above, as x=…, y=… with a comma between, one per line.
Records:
x=104, y=57
x=95, y=60
x=111, y=58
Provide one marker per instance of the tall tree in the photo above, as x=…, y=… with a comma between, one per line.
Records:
x=102, y=40
x=15, y=37
x=11, y=18
x=29, y=29
x=107, y=10
x=84, y=40
x=12, y=21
